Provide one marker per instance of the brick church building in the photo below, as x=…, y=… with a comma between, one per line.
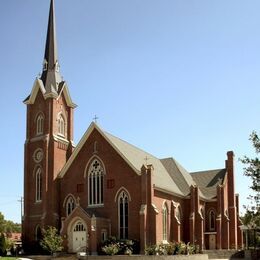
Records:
x=105, y=186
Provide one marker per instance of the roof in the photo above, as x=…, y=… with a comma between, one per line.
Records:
x=137, y=158
x=208, y=181
x=168, y=174
x=180, y=176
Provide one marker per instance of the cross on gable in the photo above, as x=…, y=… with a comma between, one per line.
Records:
x=95, y=118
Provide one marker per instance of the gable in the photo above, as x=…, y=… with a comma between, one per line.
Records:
x=132, y=155
x=38, y=85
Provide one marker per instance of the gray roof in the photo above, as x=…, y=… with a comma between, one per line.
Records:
x=137, y=158
x=179, y=175
x=208, y=181
x=168, y=174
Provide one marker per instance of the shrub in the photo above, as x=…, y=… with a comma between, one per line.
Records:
x=114, y=246
x=172, y=248
x=111, y=249
x=52, y=241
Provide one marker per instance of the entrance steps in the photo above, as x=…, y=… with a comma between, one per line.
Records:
x=224, y=254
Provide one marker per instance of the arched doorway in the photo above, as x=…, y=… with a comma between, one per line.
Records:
x=79, y=237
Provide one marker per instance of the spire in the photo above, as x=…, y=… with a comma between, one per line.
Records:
x=50, y=74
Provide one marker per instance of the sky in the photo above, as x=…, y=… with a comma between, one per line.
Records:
x=173, y=77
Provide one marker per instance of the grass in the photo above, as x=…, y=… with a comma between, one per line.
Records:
x=8, y=258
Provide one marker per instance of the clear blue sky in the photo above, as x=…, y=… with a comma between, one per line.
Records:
x=176, y=78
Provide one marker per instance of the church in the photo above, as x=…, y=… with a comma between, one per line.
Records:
x=104, y=186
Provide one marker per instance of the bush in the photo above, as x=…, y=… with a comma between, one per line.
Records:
x=171, y=248
x=111, y=249
x=52, y=241
x=114, y=246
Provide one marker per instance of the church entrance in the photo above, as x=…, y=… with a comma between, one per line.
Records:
x=79, y=237
x=212, y=242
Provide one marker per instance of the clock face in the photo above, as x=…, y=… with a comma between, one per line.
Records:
x=38, y=155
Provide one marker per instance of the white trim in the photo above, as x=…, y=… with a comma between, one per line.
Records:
x=122, y=188
x=98, y=180
x=142, y=209
x=90, y=160
x=67, y=96
x=38, y=84
x=165, y=221
x=60, y=138
x=69, y=195
x=155, y=208
x=38, y=185
x=38, y=138
x=124, y=224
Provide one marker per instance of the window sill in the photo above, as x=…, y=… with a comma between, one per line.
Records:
x=96, y=206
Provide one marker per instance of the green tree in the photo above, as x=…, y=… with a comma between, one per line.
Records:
x=252, y=170
x=8, y=226
x=2, y=223
x=2, y=244
x=52, y=241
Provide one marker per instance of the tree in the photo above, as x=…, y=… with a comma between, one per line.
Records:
x=252, y=170
x=252, y=216
x=2, y=223
x=8, y=226
x=2, y=244
x=52, y=241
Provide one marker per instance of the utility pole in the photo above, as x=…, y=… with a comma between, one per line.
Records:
x=21, y=201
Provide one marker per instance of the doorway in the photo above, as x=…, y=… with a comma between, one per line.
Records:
x=79, y=237
x=212, y=242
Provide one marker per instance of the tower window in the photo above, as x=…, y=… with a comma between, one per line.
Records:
x=61, y=125
x=165, y=221
x=95, y=183
x=70, y=205
x=39, y=124
x=38, y=185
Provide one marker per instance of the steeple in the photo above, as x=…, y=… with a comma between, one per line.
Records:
x=51, y=77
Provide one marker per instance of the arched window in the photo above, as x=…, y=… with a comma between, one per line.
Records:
x=61, y=125
x=212, y=220
x=95, y=183
x=38, y=176
x=165, y=221
x=38, y=233
x=39, y=124
x=79, y=227
x=123, y=211
x=70, y=205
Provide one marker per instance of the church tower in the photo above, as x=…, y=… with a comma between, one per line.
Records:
x=48, y=144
